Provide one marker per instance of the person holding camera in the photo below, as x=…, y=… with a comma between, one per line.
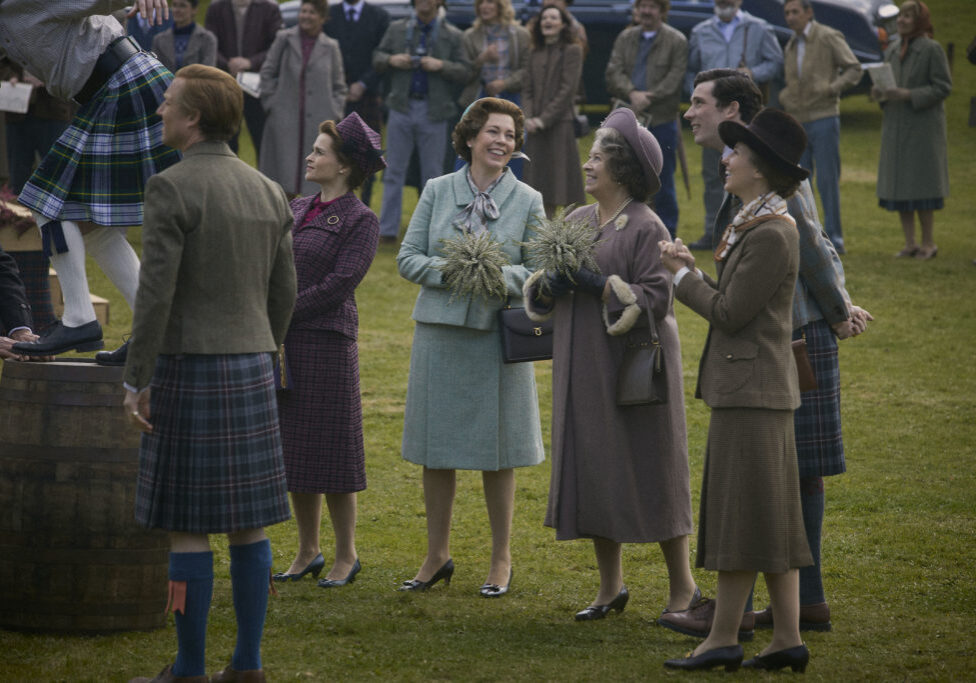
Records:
x=425, y=57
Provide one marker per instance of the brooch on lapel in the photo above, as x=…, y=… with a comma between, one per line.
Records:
x=620, y=223
x=332, y=220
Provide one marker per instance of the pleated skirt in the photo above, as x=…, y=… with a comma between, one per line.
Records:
x=819, y=442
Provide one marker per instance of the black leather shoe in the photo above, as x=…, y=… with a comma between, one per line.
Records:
x=493, y=590
x=314, y=568
x=730, y=657
x=116, y=357
x=796, y=658
x=61, y=339
x=695, y=599
x=335, y=583
x=594, y=612
x=445, y=572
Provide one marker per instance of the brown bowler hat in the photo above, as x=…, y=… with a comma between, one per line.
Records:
x=775, y=136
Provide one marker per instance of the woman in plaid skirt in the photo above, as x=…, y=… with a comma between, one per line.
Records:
x=321, y=417
x=89, y=186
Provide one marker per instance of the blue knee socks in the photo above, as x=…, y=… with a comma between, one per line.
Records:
x=196, y=571
x=250, y=567
x=812, y=502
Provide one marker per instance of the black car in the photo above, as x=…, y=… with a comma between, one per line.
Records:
x=865, y=23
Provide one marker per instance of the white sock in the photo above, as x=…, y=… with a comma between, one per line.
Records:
x=70, y=267
x=116, y=257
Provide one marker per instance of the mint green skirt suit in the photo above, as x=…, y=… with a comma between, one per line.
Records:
x=465, y=408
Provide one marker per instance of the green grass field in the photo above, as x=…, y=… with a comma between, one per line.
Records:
x=900, y=532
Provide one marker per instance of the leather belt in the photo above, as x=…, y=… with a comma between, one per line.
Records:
x=115, y=55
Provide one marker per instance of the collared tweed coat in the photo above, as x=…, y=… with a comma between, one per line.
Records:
x=466, y=409
x=617, y=472
x=913, y=162
x=294, y=115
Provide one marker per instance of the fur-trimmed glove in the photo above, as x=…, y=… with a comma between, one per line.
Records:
x=588, y=281
x=558, y=284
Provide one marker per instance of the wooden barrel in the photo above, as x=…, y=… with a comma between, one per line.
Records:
x=72, y=557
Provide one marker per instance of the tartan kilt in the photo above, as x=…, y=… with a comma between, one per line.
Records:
x=98, y=168
x=819, y=442
x=322, y=414
x=213, y=461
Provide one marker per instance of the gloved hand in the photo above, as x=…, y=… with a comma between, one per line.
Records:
x=557, y=284
x=588, y=281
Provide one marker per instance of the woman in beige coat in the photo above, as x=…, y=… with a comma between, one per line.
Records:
x=302, y=84
x=750, y=518
x=554, y=71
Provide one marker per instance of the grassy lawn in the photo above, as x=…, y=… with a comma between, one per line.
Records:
x=900, y=532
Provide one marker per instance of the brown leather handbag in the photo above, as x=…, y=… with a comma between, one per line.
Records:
x=641, y=379
x=804, y=370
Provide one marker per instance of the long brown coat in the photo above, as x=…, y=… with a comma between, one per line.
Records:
x=617, y=472
x=548, y=93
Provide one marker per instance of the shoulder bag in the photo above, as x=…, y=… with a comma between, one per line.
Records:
x=641, y=379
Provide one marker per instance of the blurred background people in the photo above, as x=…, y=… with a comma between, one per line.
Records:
x=619, y=473
x=818, y=67
x=185, y=42
x=302, y=84
x=424, y=57
x=913, y=171
x=321, y=415
x=646, y=72
x=359, y=27
x=548, y=95
x=245, y=30
x=145, y=29
x=466, y=409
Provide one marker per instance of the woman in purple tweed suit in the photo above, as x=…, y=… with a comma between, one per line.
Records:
x=335, y=238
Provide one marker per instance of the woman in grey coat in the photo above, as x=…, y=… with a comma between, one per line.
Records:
x=465, y=408
x=913, y=173
x=302, y=84
x=619, y=473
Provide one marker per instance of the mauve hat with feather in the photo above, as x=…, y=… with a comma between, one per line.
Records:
x=643, y=143
x=361, y=144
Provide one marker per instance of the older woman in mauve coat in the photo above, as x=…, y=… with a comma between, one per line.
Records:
x=302, y=83
x=619, y=473
x=913, y=172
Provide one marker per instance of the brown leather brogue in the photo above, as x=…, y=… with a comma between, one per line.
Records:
x=697, y=622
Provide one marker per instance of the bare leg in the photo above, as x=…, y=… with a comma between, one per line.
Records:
x=439, y=489
x=681, y=583
x=500, y=500
x=730, y=601
x=908, y=227
x=307, y=508
x=784, y=600
x=611, y=570
x=927, y=221
x=342, y=510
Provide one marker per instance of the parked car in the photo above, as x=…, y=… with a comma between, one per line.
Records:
x=865, y=24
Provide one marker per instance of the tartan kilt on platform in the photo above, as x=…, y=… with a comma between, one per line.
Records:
x=98, y=168
x=819, y=442
x=213, y=462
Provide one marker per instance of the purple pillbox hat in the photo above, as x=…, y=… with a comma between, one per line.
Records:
x=361, y=144
x=643, y=143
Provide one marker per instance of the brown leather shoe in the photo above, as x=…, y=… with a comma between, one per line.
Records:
x=697, y=622
x=166, y=676
x=812, y=617
x=229, y=675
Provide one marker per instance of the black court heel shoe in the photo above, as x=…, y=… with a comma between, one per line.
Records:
x=335, y=583
x=314, y=568
x=600, y=611
x=730, y=657
x=796, y=658
x=492, y=590
x=445, y=572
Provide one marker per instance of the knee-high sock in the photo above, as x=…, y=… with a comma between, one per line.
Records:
x=812, y=502
x=250, y=567
x=70, y=267
x=116, y=257
x=196, y=571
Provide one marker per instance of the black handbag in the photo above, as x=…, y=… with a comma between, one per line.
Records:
x=523, y=339
x=641, y=379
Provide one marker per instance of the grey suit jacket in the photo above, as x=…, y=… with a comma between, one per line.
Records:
x=747, y=361
x=201, y=49
x=217, y=273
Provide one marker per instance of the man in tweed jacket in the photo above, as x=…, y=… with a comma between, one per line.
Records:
x=656, y=97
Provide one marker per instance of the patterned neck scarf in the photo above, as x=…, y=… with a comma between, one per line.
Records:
x=768, y=204
x=475, y=216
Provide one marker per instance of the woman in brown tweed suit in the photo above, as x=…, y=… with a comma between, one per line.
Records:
x=750, y=518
